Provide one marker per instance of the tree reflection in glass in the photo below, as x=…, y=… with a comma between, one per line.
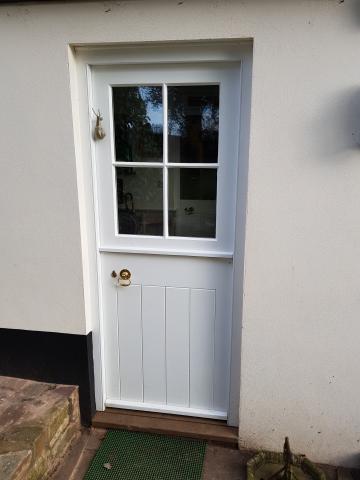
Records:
x=138, y=123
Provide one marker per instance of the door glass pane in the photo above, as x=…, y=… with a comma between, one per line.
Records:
x=193, y=123
x=138, y=124
x=140, y=200
x=192, y=202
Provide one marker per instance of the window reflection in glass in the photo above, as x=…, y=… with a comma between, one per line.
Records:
x=140, y=200
x=138, y=124
x=193, y=123
x=192, y=202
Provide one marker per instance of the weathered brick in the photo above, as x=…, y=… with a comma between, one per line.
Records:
x=39, y=419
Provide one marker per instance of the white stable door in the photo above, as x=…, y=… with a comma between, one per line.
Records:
x=165, y=187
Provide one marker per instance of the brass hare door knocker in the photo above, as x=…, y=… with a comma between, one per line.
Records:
x=99, y=132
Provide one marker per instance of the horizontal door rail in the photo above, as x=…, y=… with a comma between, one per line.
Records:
x=153, y=407
x=156, y=251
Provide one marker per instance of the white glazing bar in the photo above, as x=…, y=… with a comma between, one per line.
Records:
x=138, y=164
x=193, y=165
x=169, y=165
x=166, y=161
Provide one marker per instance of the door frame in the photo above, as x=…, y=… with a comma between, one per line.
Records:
x=81, y=59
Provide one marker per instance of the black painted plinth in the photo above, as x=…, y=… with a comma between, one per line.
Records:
x=51, y=357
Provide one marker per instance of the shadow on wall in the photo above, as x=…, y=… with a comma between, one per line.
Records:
x=351, y=460
x=354, y=10
x=338, y=125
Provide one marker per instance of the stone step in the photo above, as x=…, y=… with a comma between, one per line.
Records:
x=38, y=423
x=76, y=462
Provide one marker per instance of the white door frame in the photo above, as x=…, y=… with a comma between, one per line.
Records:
x=81, y=58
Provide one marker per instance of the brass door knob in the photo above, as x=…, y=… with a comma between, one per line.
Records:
x=125, y=274
x=124, y=277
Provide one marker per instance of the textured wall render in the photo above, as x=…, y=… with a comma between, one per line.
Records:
x=300, y=353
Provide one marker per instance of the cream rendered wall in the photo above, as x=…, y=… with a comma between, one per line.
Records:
x=300, y=347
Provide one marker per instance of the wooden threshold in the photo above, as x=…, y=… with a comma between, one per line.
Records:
x=178, y=425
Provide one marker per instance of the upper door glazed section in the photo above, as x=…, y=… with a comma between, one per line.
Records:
x=170, y=156
x=178, y=172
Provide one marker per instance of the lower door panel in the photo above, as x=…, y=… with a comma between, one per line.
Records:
x=167, y=335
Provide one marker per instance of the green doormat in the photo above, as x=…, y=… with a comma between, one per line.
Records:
x=127, y=455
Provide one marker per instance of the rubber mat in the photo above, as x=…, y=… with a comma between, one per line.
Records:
x=125, y=455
